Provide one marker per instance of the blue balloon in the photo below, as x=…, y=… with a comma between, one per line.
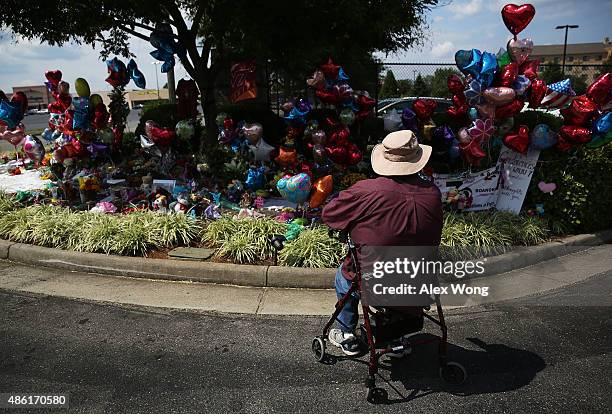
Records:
x=47, y=135
x=603, y=124
x=488, y=69
x=81, y=113
x=474, y=67
x=10, y=113
x=342, y=76
x=256, y=178
x=136, y=75
x=542, y=137
x=473, y=112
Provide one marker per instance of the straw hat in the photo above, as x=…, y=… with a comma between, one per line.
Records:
x=400, y=154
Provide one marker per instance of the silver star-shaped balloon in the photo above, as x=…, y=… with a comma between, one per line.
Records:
x=261, y=150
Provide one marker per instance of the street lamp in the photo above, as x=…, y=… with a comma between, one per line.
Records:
x=566, y=27
x=156, y=77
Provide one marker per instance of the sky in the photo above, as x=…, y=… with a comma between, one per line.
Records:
x=454, y=25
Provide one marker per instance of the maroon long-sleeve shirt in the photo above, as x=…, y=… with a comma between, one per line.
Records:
x=402, y=211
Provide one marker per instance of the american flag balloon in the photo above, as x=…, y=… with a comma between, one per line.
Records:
x=560, y=94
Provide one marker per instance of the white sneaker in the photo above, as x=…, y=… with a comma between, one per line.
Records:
x=345, y=341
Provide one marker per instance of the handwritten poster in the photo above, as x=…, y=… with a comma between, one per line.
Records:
x=516, y=172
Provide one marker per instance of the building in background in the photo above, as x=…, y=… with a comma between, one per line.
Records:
x=136, y=98
x=38, y=95
x=576, y=54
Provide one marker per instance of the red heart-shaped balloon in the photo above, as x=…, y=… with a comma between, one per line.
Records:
x=472, y=152
x=506, y=75
x=574, y=134
x=161, y=136
x=458, y=112
x=54, y=76
x=339, y=155
x=365, y=102
x=455, y=84
x=562, y=144
x=600, y=91
x=424, y=108
x=353, y=155
x=579, y=112
x=530, y=69
x=509, y=109
x=327, y=96
x=538, y=91
x=518, y=142
x=65, y=100
x=516, y=18
x=330, y=69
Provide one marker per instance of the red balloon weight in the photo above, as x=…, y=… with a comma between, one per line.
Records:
x=574, y=134
x=516, y=18
x=518, y=142
x=530, y=69
x=424, y=108
x=506, y=75
x=538, y=91
x=600, y=91
x=455, y=84
x=581, y=110
x=509, y=110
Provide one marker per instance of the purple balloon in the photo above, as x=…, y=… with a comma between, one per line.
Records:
x=442, y=137
x=409, y=120
x=303, y=105
x=98, y=150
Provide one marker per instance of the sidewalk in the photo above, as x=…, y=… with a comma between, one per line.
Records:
x=539, y=278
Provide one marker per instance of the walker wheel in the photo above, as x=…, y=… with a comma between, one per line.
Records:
x=318, y=348
x=377, y=395
x=453, y=373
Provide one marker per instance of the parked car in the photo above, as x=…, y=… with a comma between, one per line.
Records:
x=400, y=104
x=43, y=111
x=138, y=106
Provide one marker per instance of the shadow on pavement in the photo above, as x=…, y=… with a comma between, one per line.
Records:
x=492, y=368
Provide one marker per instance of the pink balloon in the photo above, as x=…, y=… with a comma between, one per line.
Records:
x=499, y=95
x=519, y=50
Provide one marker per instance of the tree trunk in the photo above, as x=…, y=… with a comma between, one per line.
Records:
x=209, y=109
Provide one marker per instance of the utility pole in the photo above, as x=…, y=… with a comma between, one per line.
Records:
x=171, y=86
x=156, y=77
x=566, y=27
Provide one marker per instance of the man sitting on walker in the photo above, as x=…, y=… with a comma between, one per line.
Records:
x=399, y=208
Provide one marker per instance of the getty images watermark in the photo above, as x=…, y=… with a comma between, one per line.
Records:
x=412, y=276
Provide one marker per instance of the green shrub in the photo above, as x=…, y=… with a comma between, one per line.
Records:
x=243, y=241
x=583, y=196
x=313, y=248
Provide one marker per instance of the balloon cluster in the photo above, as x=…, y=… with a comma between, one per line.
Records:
x=77, y=126
x=331, y=87
x=162, y=39
x=496, y=87
x=119, y=75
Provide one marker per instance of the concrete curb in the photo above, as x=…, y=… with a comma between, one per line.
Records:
x=259, y=276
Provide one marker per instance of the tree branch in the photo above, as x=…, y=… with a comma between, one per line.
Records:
x=197, y=18
x=186, y=37
x=133, y=32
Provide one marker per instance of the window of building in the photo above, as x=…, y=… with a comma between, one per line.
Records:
x=570, y=59
x=599, y=57
x=585, y=58
x=556, y=59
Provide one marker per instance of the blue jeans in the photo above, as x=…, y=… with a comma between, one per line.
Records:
x=349, y=315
